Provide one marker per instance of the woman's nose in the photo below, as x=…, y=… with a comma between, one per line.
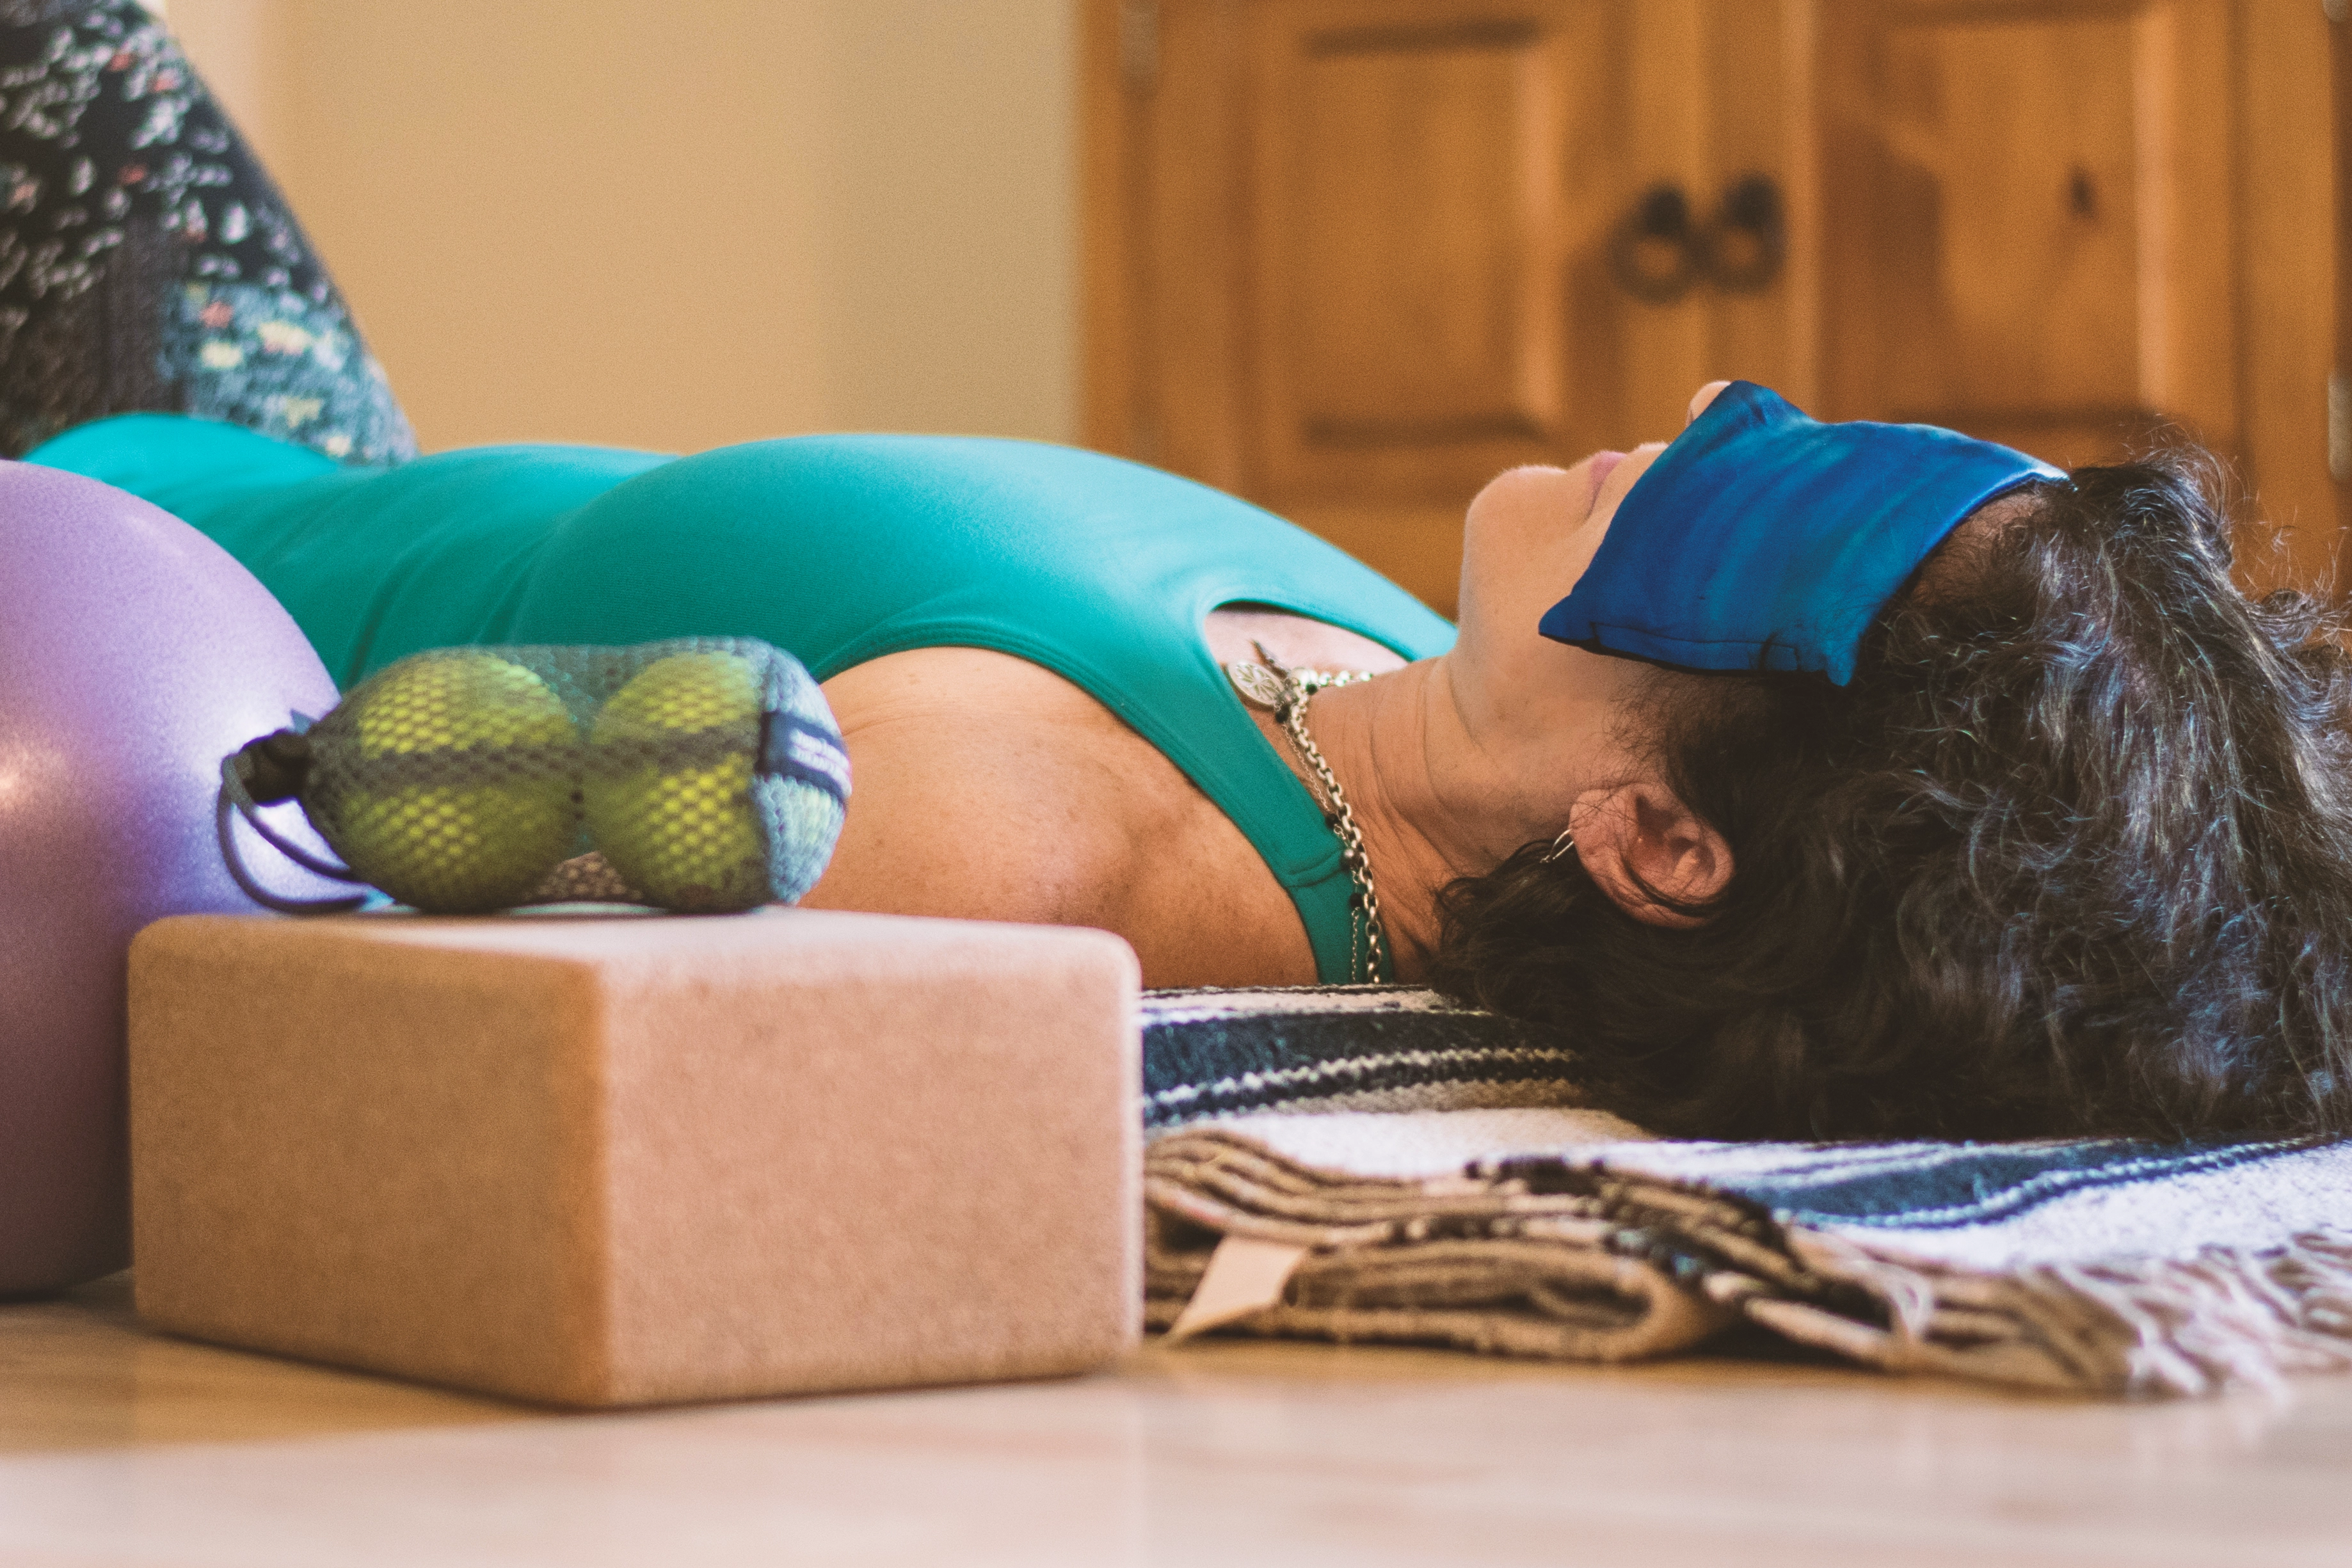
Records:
x=1702, y=397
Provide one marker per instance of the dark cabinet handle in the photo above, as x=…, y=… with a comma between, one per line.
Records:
x=1656, y=252
x=1749, y=239
x=1659, y=252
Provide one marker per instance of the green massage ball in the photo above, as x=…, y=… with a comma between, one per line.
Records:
x=449, y=779
x=669, y=788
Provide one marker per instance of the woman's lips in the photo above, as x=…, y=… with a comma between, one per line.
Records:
x=1602, y=464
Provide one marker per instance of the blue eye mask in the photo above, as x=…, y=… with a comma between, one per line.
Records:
x=1763, y=540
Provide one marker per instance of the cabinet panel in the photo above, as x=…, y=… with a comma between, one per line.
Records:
x=2018, y=138
x=1416, y=200
x=1406, y=222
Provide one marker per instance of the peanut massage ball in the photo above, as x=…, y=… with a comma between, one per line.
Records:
x=669, y=783
x=449, y=779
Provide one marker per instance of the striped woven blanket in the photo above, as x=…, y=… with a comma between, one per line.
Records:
x=1372, y=1163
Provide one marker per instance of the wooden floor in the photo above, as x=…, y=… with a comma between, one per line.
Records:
x=119, y=1446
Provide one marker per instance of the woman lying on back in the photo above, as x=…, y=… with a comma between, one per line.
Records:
x=1819, y=779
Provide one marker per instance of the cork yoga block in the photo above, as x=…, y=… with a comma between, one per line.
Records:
x=606, y=1160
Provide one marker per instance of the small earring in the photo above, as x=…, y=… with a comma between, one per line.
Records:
x=1559, y=847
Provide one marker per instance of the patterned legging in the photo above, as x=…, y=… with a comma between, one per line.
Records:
x=147, y=261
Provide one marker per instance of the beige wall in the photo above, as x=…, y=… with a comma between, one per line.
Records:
x=681, y=223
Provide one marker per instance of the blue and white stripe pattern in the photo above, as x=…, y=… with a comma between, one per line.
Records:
x=1395, y=1048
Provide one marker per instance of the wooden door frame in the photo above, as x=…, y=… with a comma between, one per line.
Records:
x=1160, y=172
x=1114, y=65
x=2340, y=46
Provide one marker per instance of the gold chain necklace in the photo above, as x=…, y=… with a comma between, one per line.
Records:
x=1284, y=692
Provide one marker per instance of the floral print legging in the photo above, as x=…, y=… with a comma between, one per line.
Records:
x=147, y=261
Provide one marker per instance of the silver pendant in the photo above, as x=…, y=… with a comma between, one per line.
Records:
x=1258, y=684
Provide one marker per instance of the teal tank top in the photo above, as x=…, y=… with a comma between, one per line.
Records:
x=839, y=549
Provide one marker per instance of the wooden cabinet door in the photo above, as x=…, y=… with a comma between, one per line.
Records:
x=1363, y=253
x=2083, y=226
x=2027, y=221
x=1351, y=257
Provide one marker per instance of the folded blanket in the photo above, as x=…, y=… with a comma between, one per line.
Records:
x=1477, y=1206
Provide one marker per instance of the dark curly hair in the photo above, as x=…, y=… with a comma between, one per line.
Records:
x=2071, y=854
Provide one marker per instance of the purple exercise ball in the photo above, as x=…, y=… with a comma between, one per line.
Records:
x=134, y=653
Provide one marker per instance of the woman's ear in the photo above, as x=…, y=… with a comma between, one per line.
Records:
x=1642, y=844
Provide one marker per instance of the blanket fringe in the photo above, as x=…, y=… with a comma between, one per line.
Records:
x=1623, y=1268
x=2225, y=1318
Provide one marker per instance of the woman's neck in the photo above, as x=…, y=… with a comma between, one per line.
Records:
x=1432, y=803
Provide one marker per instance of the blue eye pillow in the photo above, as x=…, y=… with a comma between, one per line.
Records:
x=1764, y=540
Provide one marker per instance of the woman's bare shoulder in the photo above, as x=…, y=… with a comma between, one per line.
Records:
x=988, y=788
